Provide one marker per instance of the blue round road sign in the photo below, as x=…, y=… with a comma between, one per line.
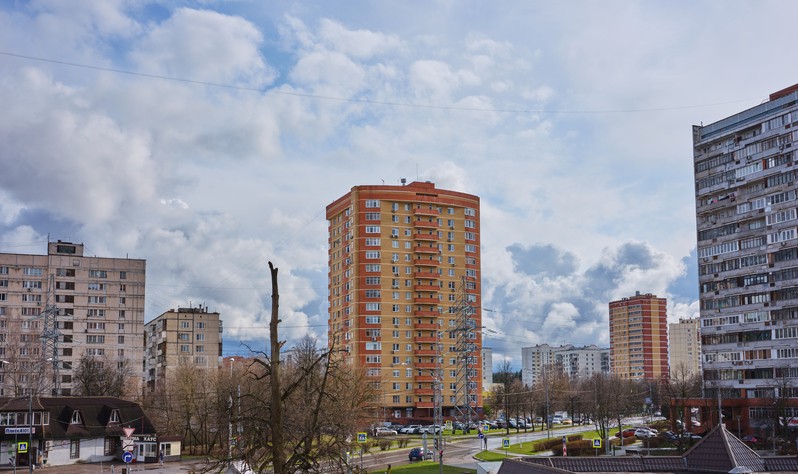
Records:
x=127, y=456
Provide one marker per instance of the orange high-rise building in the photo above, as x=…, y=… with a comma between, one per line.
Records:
x=639, y=337
x=404, y=294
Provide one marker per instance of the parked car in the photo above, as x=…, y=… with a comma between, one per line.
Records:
x=383, y=431
x=417, y=454
x=645, y=433
x=752, y=439
x=669, y=436
x=566, y=421
x=409, y=429
x=628, y=432
x=577, y=420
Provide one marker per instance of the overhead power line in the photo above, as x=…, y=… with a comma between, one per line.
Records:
x=372, y=101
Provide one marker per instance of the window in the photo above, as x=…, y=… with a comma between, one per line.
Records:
x=76, y=418
x=3, y=270
x=95, y=339
x=185, y=348
x=31, y=271
x=95, y=326
x=29, y=284
x=372, y=216
x=372, y=229
x=185, y=324
x=122, y=275
x=372, y=268
x=96, y=299
x=200, y=337
x=199, y=349
x=98, y=274
x=373, y=254
x=183, y=336
x=372, y=306
x=65, y=272
x=372, y=203
x=74, y=449
x=373, y=242
x=94, y=286
x=199, y=325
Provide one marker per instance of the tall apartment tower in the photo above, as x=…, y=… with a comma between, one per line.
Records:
x=745, y=177
x=639, y=337
x=685, y=348
x=55, y=308
x=573, y=362
x=404, y=294
x=188, y=337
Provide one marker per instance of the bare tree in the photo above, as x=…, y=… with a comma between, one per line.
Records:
x=98, y=376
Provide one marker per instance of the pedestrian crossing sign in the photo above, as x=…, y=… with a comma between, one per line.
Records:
x=361, y=437
x=22, y=447
x=597, y=443
x=505, y=442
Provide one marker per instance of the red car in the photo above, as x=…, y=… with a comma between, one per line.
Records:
x=628, y=432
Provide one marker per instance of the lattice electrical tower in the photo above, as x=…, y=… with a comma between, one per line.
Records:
x=51, y=335
x=467, y=356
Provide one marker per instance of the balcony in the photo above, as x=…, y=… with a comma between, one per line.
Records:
x=432, y=313
x=424, y=391
x=424, y=352
x=426, y=274
x=424, y=365
x=426, y=250
x=426, y=224
x=423, y=378
x=426, y=211
x=427, y=326
x=426, y=339
x=426, y=287
x=427, y=300
x=425, y=405
x=426, y=262
x=427, y=237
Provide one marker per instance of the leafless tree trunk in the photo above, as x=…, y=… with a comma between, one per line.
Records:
x=278, y=442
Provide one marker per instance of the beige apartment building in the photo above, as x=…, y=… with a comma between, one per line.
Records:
x=186, y=337
x=404, y=295
x=57, y=307
x=685, y=348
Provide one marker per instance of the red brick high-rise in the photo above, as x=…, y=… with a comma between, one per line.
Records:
x=639, y=337
x=403, y=263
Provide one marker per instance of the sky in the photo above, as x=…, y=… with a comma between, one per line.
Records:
x=207, y=137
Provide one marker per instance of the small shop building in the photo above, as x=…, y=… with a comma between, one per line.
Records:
x=55, y=431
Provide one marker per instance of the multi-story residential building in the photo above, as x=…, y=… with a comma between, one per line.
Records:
x=685, y=349
x=639, y=337
x=574, y=362
x=404, y=294
x=747, y=224
x=188, y=337
x=58, y=307
x=487, y=367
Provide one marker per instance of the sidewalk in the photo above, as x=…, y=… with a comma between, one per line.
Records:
x=182, y=467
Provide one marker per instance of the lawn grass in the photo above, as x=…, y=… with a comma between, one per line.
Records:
x=426, y=467
x=490, y=456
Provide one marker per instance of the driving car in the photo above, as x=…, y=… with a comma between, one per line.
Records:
x=751, y=439
x=417, y=454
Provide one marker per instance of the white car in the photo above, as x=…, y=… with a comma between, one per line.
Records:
x=645, y=433
x=410, y=429
x=383, y=431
